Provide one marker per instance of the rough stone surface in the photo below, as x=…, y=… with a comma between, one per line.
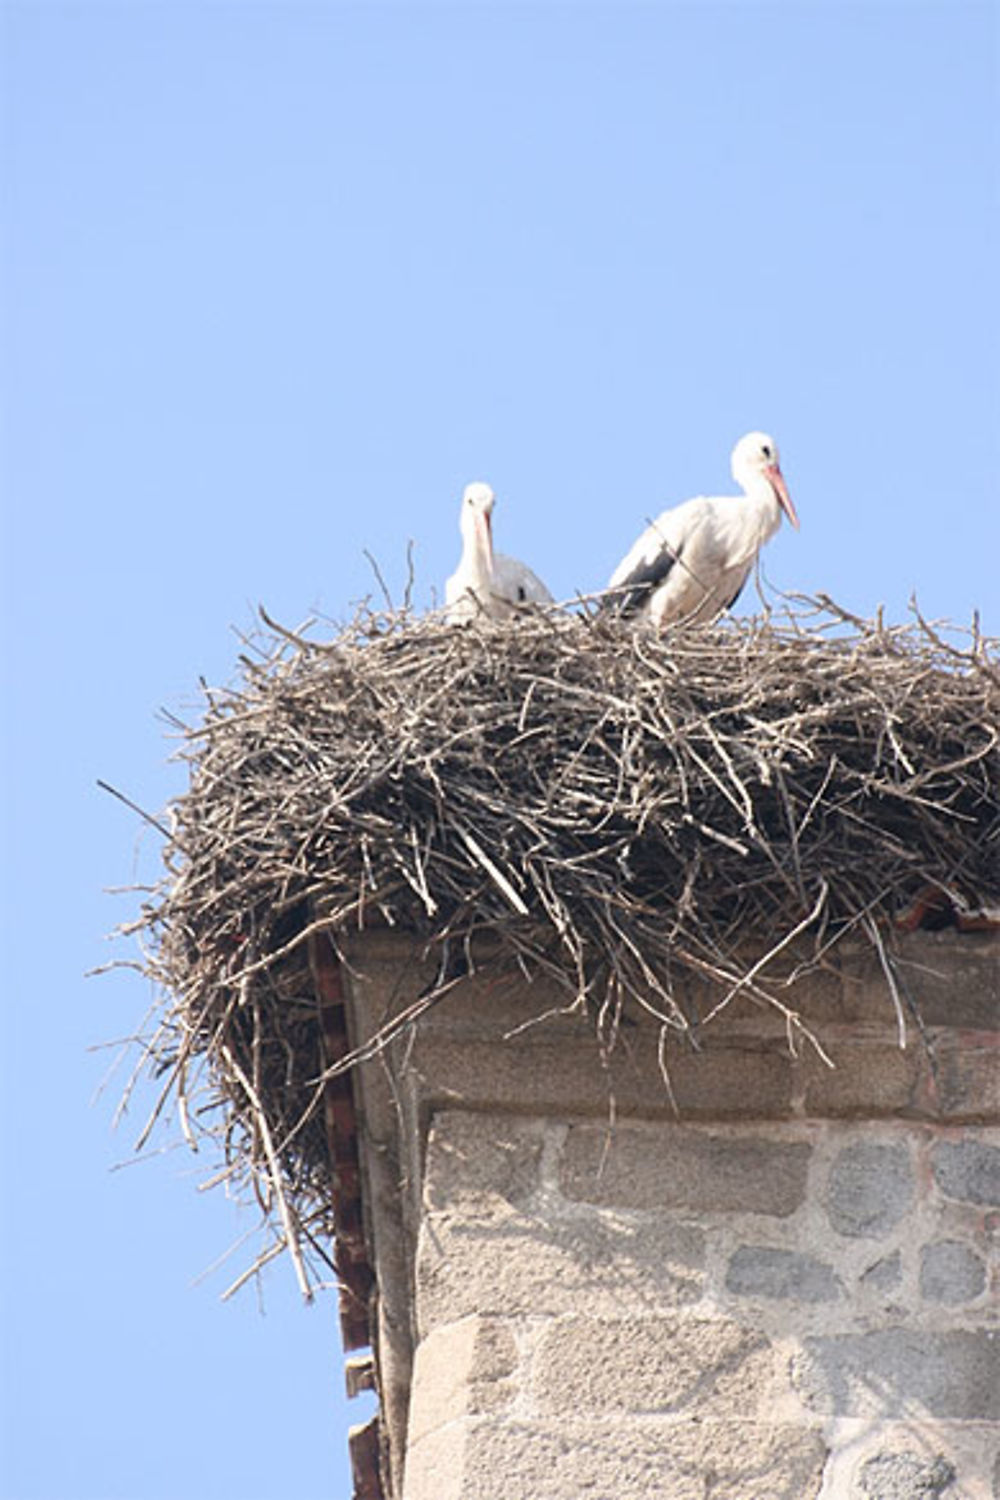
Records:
x=710, y=1368
x=566, y=1075
x=966, y=1083
x=782, y=1295
x=953, y=1375
x=484, y=1459
x=463, y=1369
x=868, y=1079
x=677, y=1168
x=481, y=1162
x=968, y=1170
x=905, y=1476
x=954, y=983
x=760, y=1271
x=951, y=1273
x=870, y=1189
x=885, y=1274
x=966, y=1449
x=537, y=1263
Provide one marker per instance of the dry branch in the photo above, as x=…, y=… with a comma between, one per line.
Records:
x=617, y=812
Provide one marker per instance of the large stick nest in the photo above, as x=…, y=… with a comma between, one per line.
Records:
x=618, y=811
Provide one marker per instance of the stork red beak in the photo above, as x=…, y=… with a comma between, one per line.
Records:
x=784, y=499
x=485, y=524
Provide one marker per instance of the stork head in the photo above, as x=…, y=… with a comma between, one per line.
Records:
x=755, y=458
x=478, y=500
x=478, y=496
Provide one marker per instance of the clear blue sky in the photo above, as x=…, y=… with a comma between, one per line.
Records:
x=278, y=279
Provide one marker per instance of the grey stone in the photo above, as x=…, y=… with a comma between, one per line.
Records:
x=679, y=1168
x=483, y=1162
x=648, y=1459
x=562, y=1071
x=905, y=1476
x=892, y=1372
x=870, y=1189
x=968, y=1170
x=951, y=1273
x=462, y=1369
x=966, y=1076
x=759, y=1271
x=602, y=1366
x=866, y=1079
x=537, y=1264
x=955, y=981
x=885, y=1274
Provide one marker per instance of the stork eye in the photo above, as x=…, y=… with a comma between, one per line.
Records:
x=766, y=450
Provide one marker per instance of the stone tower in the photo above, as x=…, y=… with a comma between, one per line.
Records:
x=781, y=1286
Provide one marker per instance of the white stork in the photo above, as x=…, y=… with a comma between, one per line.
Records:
x=691, y=563
x=486, y=582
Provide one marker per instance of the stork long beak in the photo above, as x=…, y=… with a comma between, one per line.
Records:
x=784, y=499
x=484, y=524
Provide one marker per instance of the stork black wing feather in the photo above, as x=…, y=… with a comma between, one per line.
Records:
x=739, y=591
x=631, y=592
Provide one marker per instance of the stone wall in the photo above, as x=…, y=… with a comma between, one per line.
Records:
x=789, y=1291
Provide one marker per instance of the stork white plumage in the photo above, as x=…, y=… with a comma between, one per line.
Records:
x=691, y=563
x=486, y=582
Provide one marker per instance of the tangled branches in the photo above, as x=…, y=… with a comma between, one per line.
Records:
x=620, y=812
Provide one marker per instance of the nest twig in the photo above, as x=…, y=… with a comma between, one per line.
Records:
x=616, y=811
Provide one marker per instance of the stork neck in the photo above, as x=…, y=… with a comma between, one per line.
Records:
x=761, y=498
x=478, y=544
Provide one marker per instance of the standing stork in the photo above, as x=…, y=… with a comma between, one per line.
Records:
x=691, y=563
x=486, y=582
